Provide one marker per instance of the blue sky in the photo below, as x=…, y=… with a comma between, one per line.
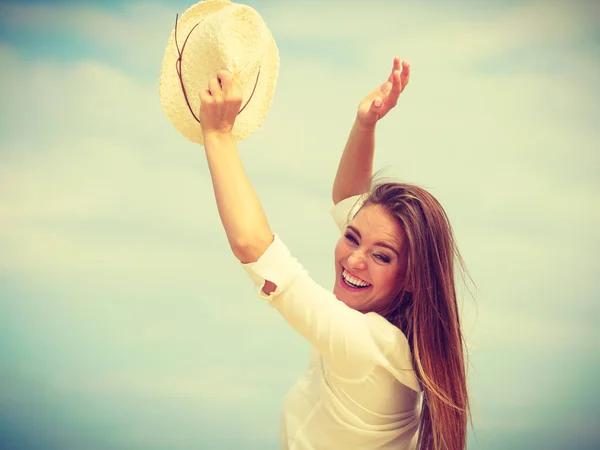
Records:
x=126, y=323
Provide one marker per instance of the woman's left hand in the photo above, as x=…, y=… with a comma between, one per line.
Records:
x=220, y=103
x=379, y=102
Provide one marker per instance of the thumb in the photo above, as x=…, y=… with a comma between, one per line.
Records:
x=375, y=110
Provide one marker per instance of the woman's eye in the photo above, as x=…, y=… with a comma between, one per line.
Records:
x=351, y=238
x=382, y=258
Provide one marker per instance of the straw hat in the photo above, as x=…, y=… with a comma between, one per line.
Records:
x=210, y=36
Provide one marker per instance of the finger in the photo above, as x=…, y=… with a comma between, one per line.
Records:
x=405, y=75
x=396, y=84
x=395, y=66
x=375, y=110
x=226, y=80
x=205, y=95
x=215, y=88
x=376, y=103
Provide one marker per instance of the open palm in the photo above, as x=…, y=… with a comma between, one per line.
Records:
x=379, y=102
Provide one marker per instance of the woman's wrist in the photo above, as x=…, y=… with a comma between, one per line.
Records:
x=216, y=136
x=364, y=126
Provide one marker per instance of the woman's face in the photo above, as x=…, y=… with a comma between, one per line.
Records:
x=369, y=260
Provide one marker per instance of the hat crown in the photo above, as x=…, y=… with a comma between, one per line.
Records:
x=233, y=38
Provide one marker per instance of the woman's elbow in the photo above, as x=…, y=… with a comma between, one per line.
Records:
x=250, y=250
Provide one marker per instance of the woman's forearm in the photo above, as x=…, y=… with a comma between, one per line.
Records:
x=356, y=165
x=241, y=213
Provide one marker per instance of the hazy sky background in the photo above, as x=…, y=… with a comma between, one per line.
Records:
x=126, y=322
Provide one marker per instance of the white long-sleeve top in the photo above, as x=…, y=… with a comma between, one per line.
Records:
x=360, y=390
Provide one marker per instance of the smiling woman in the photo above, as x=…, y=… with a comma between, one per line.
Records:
x=386, y=369
x=418, y=296
x=370, y=260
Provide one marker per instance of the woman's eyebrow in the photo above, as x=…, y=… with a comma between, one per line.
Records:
x=354, y=230
x=378, y=243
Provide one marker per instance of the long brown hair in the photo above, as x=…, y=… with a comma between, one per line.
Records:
x=426, y=310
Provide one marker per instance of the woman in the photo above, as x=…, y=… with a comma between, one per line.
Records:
x=387, y=368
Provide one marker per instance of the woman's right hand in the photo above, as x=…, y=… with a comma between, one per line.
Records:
x=379, y=102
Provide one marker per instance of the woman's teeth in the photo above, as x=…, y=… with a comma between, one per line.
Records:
x=353, y=282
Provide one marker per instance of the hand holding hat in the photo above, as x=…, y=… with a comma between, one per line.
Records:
x=220, y=103
x=379, y=102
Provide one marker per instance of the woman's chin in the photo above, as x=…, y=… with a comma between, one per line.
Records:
x=338, y=292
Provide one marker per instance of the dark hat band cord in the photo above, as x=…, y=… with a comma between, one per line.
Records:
x=178, y=69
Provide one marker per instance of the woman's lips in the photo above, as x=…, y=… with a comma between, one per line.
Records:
x=351, y=288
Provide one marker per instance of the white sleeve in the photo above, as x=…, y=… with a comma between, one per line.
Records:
x=351, y=342
x=344, y=211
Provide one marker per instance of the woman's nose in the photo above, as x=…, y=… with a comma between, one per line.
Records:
x=357, y=261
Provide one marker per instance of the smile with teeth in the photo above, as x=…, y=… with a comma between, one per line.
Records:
x=353, y=281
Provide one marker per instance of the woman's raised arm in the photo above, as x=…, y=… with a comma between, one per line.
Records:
x=356, y=165
x=241, y=213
